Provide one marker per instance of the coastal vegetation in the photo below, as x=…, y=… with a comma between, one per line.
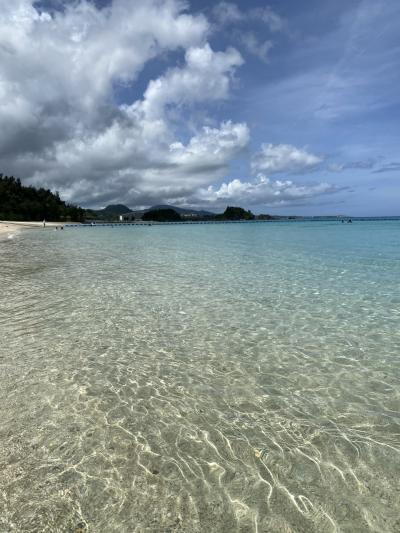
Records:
x=235, y=213
x=20, y=202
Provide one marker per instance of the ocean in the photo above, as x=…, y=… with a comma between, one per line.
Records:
x=201, y=378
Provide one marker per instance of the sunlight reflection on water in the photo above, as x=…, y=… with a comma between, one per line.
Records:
x=233, y=378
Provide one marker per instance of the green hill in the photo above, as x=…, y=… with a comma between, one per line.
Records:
x=19, y=202
x=115, y=209
x=182, y=211
x=162, y=215
x=235, y=213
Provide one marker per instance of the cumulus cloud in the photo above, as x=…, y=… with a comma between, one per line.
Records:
x=59, y=69
x=138, y=158
x=206, y=76
x=212, y=144
x=284, y=158
x=263, y=191
x=61, y=126
x=83, y=49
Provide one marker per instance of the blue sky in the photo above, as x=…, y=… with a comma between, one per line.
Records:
x=280, y=107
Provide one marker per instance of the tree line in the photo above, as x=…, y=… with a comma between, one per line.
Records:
x=21, y=202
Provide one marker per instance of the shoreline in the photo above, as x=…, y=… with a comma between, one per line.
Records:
x=9, y=228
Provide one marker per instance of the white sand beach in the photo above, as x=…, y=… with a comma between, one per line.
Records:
x=9, y=228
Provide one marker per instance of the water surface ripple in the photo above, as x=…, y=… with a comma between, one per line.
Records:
x=238, y=378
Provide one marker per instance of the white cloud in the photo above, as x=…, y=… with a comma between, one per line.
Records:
x=229, y=13
x=59, y=70
x=206, y=76
x=263, y=191
x=277, y=158
x=83, y=50
x=140, y=161
x=60, y=125
x=210, y=150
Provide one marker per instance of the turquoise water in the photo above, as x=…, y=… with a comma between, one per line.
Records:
x=232, y=378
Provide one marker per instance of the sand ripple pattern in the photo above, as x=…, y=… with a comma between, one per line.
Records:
x=222, y=379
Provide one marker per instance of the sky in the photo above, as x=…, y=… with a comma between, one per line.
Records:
x=281, y=107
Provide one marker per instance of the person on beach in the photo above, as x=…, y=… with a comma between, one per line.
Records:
x=44, y=222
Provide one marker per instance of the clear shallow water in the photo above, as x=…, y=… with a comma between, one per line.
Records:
x=231, y=378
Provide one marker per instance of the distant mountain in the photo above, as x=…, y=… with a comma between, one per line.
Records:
x=111, y=212
x=115, y=209
x=162, y=215
x=180, y=210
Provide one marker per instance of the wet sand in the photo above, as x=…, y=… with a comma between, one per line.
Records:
x=10, y=228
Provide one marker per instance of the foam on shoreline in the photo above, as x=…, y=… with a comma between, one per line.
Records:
x=6, y=231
